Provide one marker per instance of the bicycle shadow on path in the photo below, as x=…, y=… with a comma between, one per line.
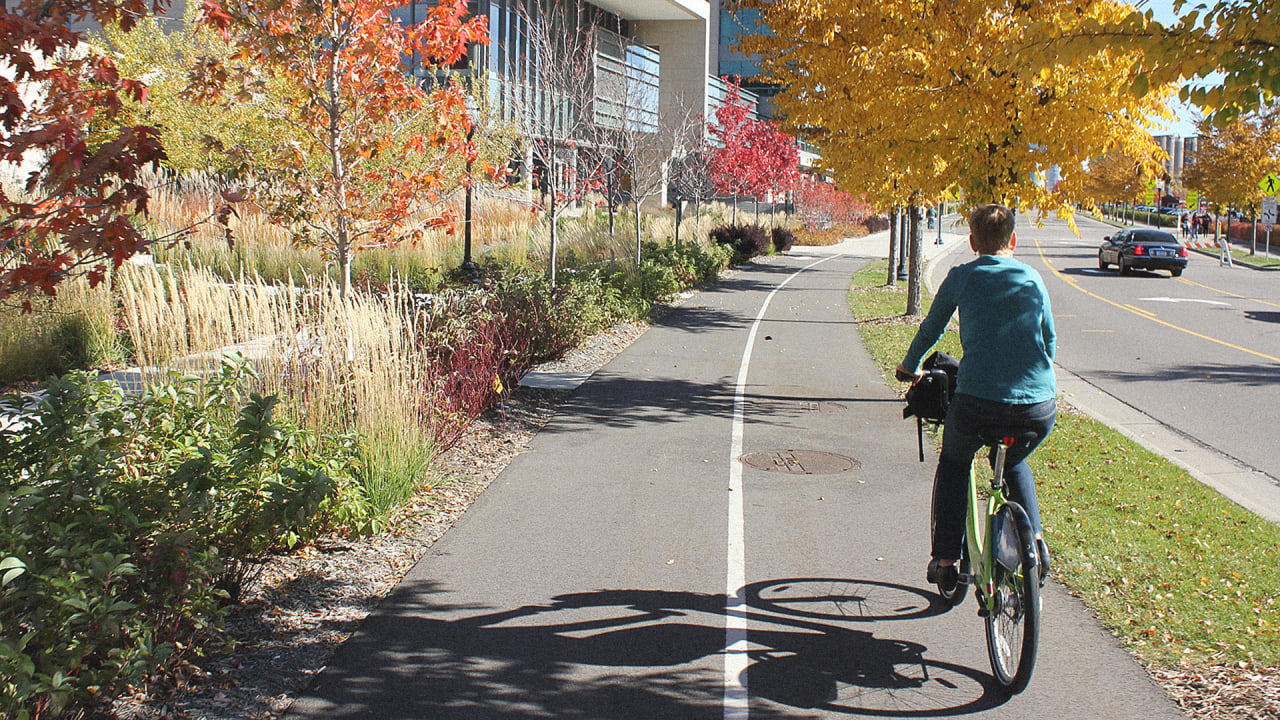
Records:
x=644, y=654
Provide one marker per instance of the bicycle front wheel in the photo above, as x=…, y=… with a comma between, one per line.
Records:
x=1013, y=624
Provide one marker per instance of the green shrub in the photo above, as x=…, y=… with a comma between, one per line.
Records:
x=661, y=281
x=556, y=319
x=677, y=267
x=127, y=522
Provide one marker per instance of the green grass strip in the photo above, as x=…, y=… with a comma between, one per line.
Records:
x=1241, y=254
x=1174, y=569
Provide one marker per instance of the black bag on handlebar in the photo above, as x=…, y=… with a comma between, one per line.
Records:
x=930, y=397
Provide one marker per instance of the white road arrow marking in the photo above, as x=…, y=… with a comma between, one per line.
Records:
x=1182, y=300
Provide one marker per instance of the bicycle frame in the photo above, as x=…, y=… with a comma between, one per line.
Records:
x=980, y=541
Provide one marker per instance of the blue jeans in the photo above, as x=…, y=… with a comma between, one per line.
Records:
x=967, y=417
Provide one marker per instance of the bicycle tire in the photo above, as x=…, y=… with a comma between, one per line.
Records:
x=1013, y=625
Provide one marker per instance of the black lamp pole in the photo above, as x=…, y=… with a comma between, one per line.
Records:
x=468, y=267
x=903, y=229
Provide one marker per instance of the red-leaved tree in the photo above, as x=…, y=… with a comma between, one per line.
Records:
x=821, y=205
x=72, y=177
x=372, y=145
x=777, y=163
x=733, y=161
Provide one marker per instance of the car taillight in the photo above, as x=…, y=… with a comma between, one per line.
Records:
x=1182, y=252
x=1139, y=250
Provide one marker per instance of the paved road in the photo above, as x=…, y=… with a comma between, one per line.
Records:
x=1198, y=355
x=629, y=566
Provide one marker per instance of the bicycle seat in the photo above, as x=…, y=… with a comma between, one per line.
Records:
x=992, y=436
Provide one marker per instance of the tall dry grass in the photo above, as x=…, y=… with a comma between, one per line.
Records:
x=500, y=224
x=353, y=364
x=74, y=329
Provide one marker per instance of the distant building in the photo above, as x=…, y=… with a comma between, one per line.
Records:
x=1181, y=152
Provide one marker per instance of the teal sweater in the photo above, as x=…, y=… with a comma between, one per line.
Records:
x=1006, y=330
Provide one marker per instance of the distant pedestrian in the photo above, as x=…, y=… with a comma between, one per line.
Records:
x=1182, y=224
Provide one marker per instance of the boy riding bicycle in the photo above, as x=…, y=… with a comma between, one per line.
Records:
x=1006, y=377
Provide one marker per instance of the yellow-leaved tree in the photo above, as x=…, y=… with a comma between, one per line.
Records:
x=1226, y=50
x=914, y=97
x=1114, y=177
x=1232, y=159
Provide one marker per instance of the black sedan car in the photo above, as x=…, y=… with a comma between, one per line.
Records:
x=1144, y=250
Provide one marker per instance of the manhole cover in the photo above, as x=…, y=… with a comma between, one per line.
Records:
x=800, y=462
x=799, y=406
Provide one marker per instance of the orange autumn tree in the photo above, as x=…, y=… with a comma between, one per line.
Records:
x=372, y=149
x=72, y=177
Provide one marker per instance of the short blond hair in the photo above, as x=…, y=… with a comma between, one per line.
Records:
x=991, y=227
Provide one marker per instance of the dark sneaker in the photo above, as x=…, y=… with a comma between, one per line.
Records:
x=943, y=573
x=1043, y=551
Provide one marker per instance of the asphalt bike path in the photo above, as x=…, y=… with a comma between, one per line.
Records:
x=631, y=566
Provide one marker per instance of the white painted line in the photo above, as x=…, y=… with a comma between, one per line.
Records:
x=1182, y=300
x=736, y=698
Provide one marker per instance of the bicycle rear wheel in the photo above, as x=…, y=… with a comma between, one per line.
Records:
x=1013, y=625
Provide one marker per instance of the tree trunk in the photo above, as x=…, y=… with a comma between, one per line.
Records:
x=636, y=202
x=551, y=216
x=915, y=304
x=735, y=210
x=679, y=213
x=343, y=256
x=892, y=278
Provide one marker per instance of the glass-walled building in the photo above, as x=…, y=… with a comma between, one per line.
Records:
x=651, y=58
x=630, y=40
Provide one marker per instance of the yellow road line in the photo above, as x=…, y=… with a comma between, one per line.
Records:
x=1227, y=292
x=1136, y=311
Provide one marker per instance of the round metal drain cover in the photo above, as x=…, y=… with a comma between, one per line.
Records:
x=800, y=462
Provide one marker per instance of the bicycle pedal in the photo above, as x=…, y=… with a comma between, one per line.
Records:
x=983, y=611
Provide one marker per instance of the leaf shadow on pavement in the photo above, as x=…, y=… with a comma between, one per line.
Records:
x=627, y=402
x=639, y=654
x=1248, y=375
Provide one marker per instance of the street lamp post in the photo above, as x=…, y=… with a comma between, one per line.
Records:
x=903, y=229
x=470, y=268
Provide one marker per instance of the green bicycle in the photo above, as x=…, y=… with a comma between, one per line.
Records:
x=999, y=559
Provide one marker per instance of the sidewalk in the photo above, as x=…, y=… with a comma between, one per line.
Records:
x=681, y=544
